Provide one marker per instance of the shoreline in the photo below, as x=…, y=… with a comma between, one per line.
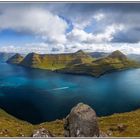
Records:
x=72, y=73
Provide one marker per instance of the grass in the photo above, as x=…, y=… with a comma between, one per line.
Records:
x=13, y=127
x=53, y=61
x=131, y=120
x=101, y=66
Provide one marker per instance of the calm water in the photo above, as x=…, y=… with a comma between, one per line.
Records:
x=36, y=96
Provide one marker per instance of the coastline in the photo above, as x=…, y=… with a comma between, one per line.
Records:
x=72, y=73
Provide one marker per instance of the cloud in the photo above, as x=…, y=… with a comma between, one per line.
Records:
x=79, y=35
x=44, y=48
x=110, y=26
x=36, y=21
x=99, y=16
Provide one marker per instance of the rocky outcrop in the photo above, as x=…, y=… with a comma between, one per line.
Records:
x=42, y=132
x=81, y=122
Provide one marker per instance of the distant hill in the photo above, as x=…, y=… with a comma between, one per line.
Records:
x=98, y=54
x=113, y=62
x=135, y=57
x=5, y=56
x=16, y=59
x=76, y=63
x=53, y=61
x=117, y=54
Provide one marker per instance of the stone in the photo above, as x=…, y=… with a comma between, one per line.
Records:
x=42, y=132
x=81, y=122
x=121, y=127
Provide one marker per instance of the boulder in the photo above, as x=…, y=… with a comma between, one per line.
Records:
x=42, y=132
x=81, y=122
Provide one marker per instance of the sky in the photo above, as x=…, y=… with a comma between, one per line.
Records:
x=69, y=27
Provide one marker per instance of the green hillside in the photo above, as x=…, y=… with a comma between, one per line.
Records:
x=54, y=61
x=114, y=62
x=16, y=59
x=76, y=63
x=13, y=127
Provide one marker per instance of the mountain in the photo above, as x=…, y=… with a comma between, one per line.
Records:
x=5, y=56
x=16, y=59
x=76, y=63
x=98, y=54
x=135, y=57
x=31, y=60
x=54, y=61
x=114, y=62
x=117, y=54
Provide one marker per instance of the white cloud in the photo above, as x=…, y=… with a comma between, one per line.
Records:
x=79, y=35
x=36, y=21
x=109, y=33
x=52, y=29
x=99, y=16
x=45, y=48
x=127, y=48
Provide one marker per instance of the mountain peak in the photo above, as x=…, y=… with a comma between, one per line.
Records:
x=117, y=54
x=17, y=55
x=32, y=54
x=80, y=52
x=16, y=59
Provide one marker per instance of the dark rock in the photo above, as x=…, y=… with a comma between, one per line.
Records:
x=42, y=132
x=81, y=122
x=119, y=127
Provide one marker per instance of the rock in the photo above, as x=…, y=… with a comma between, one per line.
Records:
x=42, y=132
x=21, y=135
x=121, y=127
x=102, y=134
x=81, y=122
x=109, y=133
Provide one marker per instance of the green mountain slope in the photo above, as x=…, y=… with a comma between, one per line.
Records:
x=114, y=62
x=53, y=61
x=76, y=63
x=16, y=59
x=13, y=127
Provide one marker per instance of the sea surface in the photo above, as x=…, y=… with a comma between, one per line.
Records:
x=37, y=95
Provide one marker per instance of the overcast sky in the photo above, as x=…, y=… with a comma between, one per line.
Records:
x=68, y=27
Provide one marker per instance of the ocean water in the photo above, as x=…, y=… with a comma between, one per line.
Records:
x=37, y=95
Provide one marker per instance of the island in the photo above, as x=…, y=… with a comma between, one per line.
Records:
x=76, y=63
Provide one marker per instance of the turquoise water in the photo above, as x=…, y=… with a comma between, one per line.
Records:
x=37, y=96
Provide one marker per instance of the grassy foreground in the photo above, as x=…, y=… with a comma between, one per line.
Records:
x=130, y=122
